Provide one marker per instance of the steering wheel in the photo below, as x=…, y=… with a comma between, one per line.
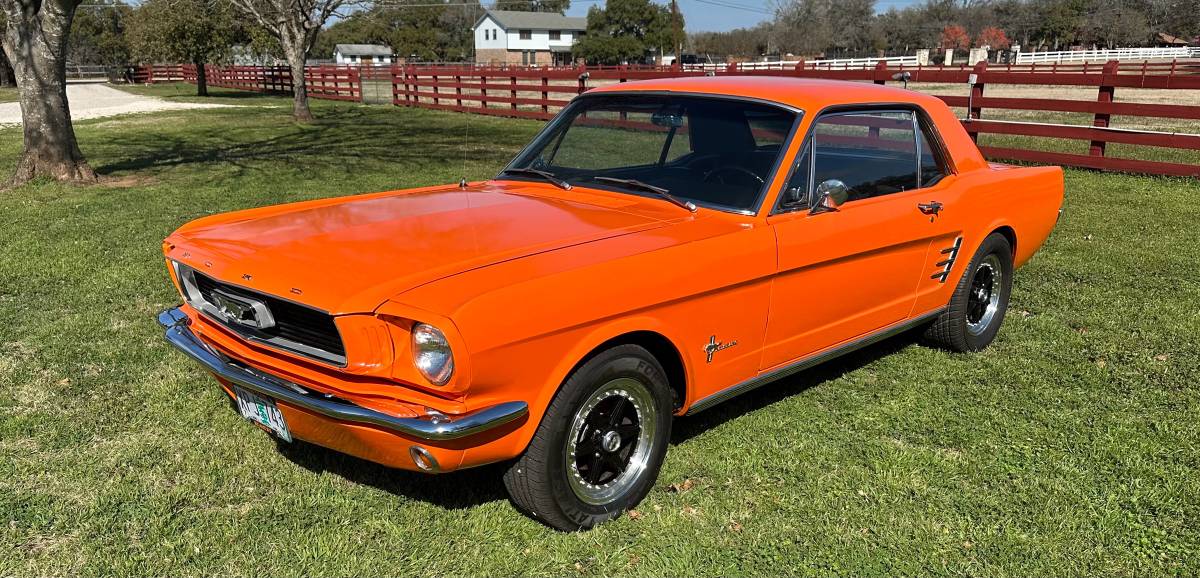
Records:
x=732, y=169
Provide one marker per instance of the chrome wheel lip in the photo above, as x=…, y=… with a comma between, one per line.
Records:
x=639, y=458
x=987, y=283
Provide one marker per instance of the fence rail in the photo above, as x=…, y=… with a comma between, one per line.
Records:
x=1105, y=55
x=540, y=92
x=830, y=64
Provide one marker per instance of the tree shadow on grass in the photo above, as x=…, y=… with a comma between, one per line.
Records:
x=477, y=486
x=343, y=140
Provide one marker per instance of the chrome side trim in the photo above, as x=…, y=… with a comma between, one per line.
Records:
x=434, y=427
x=813, y=360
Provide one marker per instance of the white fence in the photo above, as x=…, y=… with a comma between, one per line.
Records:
x=1106, y=55
x=834, y=64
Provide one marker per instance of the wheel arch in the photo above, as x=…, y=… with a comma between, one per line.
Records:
x=1010, y=234
x=649, y=334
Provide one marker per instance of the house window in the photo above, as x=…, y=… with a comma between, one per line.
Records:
x=555, y=35
x=526, y=35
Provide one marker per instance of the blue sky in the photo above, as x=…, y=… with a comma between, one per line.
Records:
x=705, y=15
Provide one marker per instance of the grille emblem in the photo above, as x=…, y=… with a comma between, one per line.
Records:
x=242, y=310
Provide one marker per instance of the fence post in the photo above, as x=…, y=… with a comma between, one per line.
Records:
x=436, y=90
x=545, y=94
x=512, y=93
x=356, y=82
x=483, y=102
x=410, y=98
x=881, y=72
x=976, y=110
x=1105, y=95
x=392, y=81
x=458, y=92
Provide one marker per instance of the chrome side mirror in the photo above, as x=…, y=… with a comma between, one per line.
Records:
x=831, y=194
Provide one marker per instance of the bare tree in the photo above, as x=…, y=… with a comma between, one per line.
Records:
x=35, y=40
x=295, y=24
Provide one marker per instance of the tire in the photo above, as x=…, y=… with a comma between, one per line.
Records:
x=571, y=477
x=971, y=322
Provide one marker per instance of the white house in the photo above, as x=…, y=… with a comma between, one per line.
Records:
x=362, y=54
x=508, y=37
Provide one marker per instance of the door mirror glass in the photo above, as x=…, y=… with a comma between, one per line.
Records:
x=831, y=194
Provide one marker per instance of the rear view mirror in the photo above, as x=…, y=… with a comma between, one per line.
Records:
x=831, y=195
x=667, y=120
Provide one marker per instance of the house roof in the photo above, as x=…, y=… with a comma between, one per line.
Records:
x=512, y=19
x=363, y=49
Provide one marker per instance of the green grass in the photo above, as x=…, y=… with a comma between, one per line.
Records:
x=1068, y=448
x=8, y=94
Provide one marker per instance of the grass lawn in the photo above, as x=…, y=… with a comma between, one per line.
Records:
x=1068, y=448
x=8, y=94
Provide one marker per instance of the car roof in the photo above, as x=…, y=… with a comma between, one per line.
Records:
x=808, y=94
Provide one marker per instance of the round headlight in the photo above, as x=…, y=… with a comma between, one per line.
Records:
x=431, y=353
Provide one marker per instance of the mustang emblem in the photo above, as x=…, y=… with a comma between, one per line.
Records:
x=241, y=310
x=714, y=346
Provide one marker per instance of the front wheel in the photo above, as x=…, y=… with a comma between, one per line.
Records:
x=980, y=300
x=600, y=445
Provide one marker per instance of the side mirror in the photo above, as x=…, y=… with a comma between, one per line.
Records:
x=831, y=194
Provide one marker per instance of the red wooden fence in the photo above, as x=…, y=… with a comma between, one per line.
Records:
x=539, y=93
x=327, y=82
x=152, y=73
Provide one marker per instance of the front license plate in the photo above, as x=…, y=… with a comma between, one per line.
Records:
x=262, y=411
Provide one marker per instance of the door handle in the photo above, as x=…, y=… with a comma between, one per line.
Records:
x=930, y=208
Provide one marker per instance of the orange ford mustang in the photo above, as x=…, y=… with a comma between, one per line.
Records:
x=660, y=247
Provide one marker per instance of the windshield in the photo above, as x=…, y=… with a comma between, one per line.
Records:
x=712, y=151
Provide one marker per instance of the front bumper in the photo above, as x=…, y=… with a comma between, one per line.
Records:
x=436, y=427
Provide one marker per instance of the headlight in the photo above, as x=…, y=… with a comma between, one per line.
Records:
x=431, y=353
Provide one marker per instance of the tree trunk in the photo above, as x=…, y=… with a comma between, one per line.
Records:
x=36, y=44
x=6, y=71
x=293, y=49
x=201, y=79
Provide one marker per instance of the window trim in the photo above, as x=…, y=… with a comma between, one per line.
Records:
x=525, y=34
x=936, y=145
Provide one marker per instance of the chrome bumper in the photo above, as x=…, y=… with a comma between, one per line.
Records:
x=432, y=427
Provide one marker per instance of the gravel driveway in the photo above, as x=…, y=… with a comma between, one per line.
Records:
x=97, y=100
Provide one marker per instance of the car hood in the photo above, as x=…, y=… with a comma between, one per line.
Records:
x=349, y=255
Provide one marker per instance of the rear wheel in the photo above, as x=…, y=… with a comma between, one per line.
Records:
x=980, y=300
x=600, y=445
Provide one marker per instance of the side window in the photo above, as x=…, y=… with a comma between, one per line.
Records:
x=933, y=167
x=873, y=153
x=795, y=194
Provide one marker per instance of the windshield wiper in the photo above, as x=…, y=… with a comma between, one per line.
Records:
x=664, y=193
x=549, y=176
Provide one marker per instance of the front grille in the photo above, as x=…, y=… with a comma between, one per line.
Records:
x=299, y=329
